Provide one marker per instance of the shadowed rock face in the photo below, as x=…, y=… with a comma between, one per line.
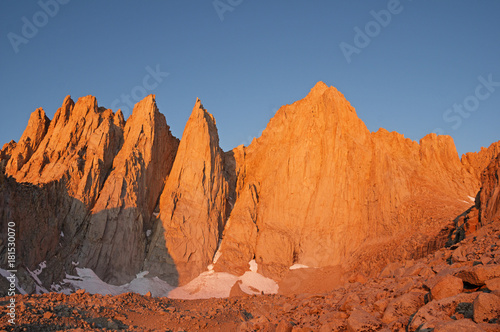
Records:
x=65, y=169
x=99, y=178
x=317, y=188
x=115, y=240
x=489, y=196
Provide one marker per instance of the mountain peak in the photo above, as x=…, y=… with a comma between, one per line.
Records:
x=193, y=205
x=319, y=89
x=199, y=111
x=320, y=86
x=67, y=101
x=198, y=104
x=332, y=94
x=146, y=106
x=85, y=103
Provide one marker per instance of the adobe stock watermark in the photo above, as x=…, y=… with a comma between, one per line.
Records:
x=150, y=81
x=373, y=28
x=223, y=6
x=11, y=270
x=30, y=28
x=456, y=114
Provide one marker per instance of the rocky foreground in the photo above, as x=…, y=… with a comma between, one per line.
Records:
x=454, y=289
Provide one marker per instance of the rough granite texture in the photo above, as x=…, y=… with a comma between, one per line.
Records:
x=89, y=189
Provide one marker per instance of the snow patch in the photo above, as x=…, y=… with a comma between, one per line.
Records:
x=218, y=253
x=218, y=284
x=253, y=265
x=41, y=266
x=156, y=286
x=89, y=281
x=6, y=274
x=217, y=256
x=207, y=285
x=470, y=199
x=58, y=288
x=39, y=289
x=255, y=283
x=298, y=266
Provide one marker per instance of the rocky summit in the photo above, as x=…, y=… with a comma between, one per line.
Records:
x=319, y=224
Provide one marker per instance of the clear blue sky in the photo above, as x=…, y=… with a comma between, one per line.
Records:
x=261, y=55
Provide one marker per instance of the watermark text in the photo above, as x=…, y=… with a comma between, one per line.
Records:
x=150, y=81
x=470, y=104
x=30, y=28
x=11, y=263
x=363, y=37
x=223, y=6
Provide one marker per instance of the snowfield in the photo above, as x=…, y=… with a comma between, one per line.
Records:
x=209, y=284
